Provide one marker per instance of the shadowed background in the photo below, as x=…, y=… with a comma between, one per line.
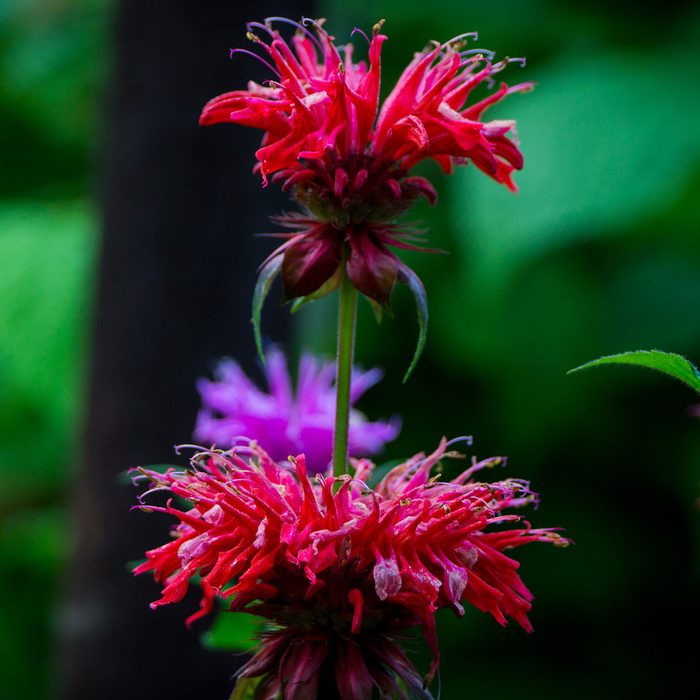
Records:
x=127, y=261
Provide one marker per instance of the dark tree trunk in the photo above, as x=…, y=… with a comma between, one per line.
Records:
x=176, y=274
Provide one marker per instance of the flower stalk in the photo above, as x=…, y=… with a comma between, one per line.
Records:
x=347, y=319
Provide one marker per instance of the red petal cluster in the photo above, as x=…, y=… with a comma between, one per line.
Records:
x=331, y=558
x=346, y=160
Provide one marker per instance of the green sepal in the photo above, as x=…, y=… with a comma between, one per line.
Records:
x=666, y=362
x=330, y=285
x=377, y=310
x=245, y=688
x=380, y=309
x=413, y=282
x=266, y=277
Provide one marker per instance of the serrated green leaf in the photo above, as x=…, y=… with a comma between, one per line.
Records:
x=413, y=282
x=233, y=632
x=245, y=689
x=266, y=277
x=666, y=362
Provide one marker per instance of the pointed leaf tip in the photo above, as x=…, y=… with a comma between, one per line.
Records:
x=668, y=363
x=413, y=282
x=266, y=277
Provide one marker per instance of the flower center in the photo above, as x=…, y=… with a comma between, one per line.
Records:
x=357, y=189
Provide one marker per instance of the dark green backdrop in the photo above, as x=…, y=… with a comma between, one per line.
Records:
x=598, y=253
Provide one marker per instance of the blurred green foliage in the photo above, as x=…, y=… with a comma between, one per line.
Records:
x=598, y=253
x=52, y=65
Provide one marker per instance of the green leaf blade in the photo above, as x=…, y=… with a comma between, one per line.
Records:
x=413, y=282
x=266, y=276
x=233, y=632
x=668, y=363
x=245, y=688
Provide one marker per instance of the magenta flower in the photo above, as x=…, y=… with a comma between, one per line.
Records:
x=341, y=569
x=288, y=422
x=347, y=160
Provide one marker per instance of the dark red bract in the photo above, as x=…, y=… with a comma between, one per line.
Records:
x=347, y=161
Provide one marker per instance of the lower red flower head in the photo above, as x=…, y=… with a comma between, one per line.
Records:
x=342, y=569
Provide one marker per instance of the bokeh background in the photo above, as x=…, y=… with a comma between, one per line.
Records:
x=598, y=253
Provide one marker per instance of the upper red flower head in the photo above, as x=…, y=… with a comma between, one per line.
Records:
x=321, y=124
x=346, y=160
x=343, y=568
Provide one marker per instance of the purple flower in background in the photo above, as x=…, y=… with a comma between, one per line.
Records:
x=287, y=422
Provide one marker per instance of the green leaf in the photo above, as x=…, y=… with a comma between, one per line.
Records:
x=377, y=309
x=381, y=470
x=667, y=362
x=411, y=279
x=266, y=277
x=245, y=688
x=330, y=285
x=233, y=632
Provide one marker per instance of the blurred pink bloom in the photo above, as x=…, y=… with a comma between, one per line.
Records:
x=347, y=159
x=286, y=421
x=341, y=569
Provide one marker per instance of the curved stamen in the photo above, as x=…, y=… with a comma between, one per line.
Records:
x=318, y=26
x=300, y=27
x=468, y=439
x=473, y=60
x=189, y=446
x=259, y=25
x=484, y=52
x=361, y=33
x=503, y=63
x=460, y=37
x=259, y=58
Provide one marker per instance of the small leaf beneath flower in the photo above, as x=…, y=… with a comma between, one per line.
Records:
x=411, y=279
x=266, y=277
x=233, y=632
x=377, y=309
x=667, y=362
x=245, y=688
x=330, y=285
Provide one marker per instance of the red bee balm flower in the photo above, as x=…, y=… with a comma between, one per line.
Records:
x=342, y=569
x=348, y=168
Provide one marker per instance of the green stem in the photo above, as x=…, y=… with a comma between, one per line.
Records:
x=347, y=315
